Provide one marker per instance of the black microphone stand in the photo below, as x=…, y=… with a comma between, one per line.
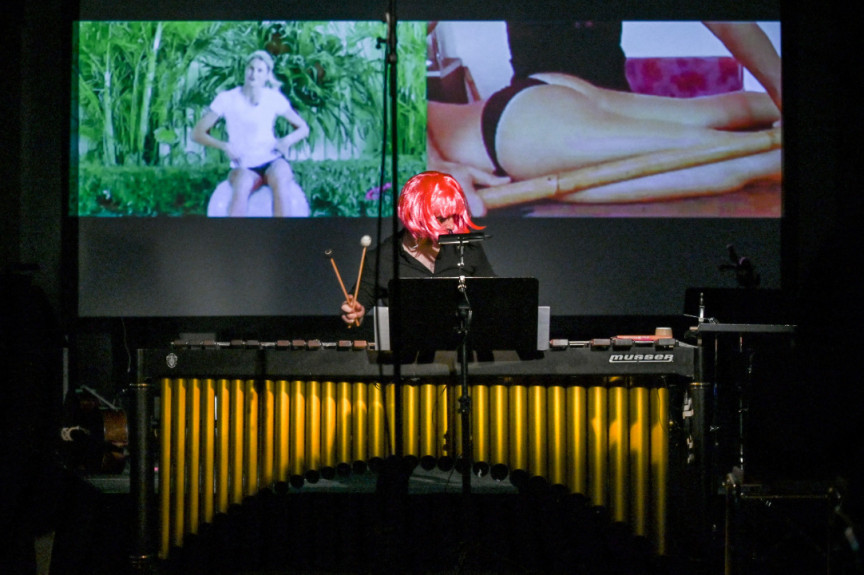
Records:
x=464, y=314
x=390, y=65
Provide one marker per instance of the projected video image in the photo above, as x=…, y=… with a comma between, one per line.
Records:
x=535, y=119
x=561, y=118
x=249, y=119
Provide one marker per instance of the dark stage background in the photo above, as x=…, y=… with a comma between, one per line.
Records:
x=814, y=265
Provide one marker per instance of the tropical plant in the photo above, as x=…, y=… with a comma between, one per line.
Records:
x=143, y=85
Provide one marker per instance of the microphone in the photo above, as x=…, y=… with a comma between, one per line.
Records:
x=745, y=274
x=453, y=239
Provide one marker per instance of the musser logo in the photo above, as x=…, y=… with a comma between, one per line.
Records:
x=642, y=358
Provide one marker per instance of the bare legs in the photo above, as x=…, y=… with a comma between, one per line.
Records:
x=730, y=111
x=288, y=198
x=554, y=128
x=243, y=183
x=570, y=126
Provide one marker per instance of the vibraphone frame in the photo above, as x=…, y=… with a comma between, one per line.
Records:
x=593, y=416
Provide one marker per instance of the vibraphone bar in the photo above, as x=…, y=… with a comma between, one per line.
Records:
x=239, y=417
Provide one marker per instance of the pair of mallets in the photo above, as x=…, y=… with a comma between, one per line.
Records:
x=365, y=241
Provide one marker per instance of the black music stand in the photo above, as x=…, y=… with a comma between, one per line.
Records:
x=504, y=314
x=466, y=314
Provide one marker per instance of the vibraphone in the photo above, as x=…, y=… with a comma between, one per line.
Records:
x=238, y=417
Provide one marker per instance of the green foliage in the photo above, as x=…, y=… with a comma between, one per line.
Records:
x=143, y=191
x=159, y=76
x=334, y=188
x=350, y=188
x=142, y=86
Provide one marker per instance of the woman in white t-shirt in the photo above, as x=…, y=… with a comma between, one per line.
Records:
x=257, y=156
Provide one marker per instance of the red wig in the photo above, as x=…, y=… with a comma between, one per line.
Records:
x=428, y=196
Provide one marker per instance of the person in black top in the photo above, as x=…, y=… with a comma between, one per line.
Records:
x=430, y=204
x=588, y=49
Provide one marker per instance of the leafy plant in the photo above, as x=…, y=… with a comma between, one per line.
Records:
x=143, y=85
x=343, y=188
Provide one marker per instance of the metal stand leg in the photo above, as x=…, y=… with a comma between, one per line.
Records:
x=465, y=399
x=142, y=477
x=730, y=534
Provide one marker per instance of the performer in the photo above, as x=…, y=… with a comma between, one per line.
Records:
x=257, y=156
x=430, y=204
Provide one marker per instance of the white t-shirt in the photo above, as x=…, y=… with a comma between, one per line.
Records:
x=250, y=127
